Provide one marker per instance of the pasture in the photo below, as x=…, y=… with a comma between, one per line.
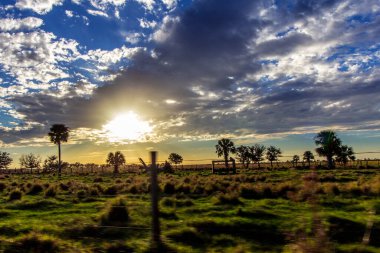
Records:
x=279, y=210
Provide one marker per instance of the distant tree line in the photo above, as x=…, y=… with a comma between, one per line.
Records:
x=329, y=145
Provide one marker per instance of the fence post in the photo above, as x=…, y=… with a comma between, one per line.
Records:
x=154, y=192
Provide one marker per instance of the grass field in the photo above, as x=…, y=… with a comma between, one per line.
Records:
x=254, y=211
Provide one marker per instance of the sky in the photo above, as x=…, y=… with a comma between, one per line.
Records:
x=177, y=75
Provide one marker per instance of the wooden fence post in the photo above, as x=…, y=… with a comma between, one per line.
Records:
x=156, y=239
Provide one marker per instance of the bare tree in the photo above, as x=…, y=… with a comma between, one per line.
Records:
x=30, y=161
x=273, y=154
x=257, y=153
x=5, y=160
x=243, y=155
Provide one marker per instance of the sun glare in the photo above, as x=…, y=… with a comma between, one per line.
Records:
x=127, y=126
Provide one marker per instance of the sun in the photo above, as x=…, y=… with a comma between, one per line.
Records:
x=127, y=127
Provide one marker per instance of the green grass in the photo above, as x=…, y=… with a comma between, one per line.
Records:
x=255, y=211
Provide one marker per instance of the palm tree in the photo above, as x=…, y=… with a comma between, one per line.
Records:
x=273, y=154
x=257, y=153
x=59, y=133
x=329, y=145
x=115, y=160
x=308, y=156
x=345, y=153
x=224, y=148
x=243, y=155
x=295, y=160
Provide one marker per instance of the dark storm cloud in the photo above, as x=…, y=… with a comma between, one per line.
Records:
x=203, y=65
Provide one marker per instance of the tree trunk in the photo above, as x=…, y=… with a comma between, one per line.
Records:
x=59, y=159
x=271, y=164
x=330, y=162
x=116, y=169
x=258, y=163
x=226, y=160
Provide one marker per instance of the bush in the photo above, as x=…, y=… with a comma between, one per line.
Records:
x=112, y=191
x=3, y=186
x=169, y=188
x=64, y=187
x=119, y=248
x=116, y=214
x=35, y=189
x=51, y=192
x=15, y=195
x=34, y=244
x=98, y=180
x=81, y=194
x=248, y=192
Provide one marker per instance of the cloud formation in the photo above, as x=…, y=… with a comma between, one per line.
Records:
x=236, y=67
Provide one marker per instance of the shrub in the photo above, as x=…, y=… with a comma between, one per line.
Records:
x=50, y=192
x=15, y=195
x=111, y=190
x=98, y=180
x=3, y=186
x=64, y=187
x=94, y=192
x=169, y=188
x=33, y=243
x=116, y=214
x=81, y=194
x=35, y=189
x=119, y=248
x=248, y=192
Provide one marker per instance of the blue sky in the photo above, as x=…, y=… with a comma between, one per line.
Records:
x=274, y=72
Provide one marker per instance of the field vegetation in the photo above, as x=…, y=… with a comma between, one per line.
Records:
x=261, y=210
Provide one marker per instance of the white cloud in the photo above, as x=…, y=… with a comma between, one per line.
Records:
x=148, y=4
x=35, y=56
x=38, y=6
x=69, y=13
x=170, y=4
x=165, y=29
x=29, y=23
x=97, y=13
x=105, y=4
x=144, y=23
x=104, y=58
x=133, y=38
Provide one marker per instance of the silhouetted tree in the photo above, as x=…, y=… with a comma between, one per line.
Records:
x=329, y=145
x=5, y=160
x=224, y=148
x=30, y=161
x=345, y=153
x=243, y=155
x=116, y=159
x=308, y=157
x=257, y=152
x=273, y=154
x=59, y=133
x=295, y=160
x=51, y=163
x=175, y=158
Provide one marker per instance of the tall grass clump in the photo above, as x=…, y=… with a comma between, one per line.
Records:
x=33, y=243
x=16, y=194
x=35, y=189
x=116, y=214
x=50, y=192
